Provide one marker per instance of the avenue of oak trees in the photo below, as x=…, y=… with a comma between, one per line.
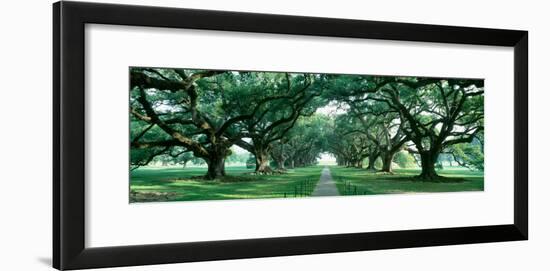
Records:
x=183, y=115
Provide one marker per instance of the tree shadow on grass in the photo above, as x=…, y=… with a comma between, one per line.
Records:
x=419, y=179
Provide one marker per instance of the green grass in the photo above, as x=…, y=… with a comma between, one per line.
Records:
x=178, y=184
x=349, y=180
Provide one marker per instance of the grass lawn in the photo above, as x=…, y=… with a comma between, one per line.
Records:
x=178, y=184
x=349, y=180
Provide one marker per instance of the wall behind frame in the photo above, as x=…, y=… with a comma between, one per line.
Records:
x=25, y=198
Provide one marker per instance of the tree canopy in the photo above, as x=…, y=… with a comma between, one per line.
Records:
x=183, y=114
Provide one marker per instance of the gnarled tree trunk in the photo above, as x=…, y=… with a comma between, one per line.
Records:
x=387, y=159
x=428, y=159
x=262, y=161
x=216, y=161
x=281, y=163
x=216, y=167
x=372, y=161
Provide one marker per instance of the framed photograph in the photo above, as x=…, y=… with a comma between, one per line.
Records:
x=191, y=135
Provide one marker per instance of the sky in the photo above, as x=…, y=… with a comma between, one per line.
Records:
x=332, y=109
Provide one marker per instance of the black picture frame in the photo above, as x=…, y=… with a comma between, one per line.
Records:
x=69, y=19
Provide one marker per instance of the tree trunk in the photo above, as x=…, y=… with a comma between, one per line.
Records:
x=359, y=163
x=281, y=164
x=350, y=163
x=216, y=167
x=262, y=162
x=292, y=163
x=298, y=162
x=387, y=159
x=428, y=159
x=372, y=161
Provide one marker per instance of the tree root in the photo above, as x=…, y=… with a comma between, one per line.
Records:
x=269, y=171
